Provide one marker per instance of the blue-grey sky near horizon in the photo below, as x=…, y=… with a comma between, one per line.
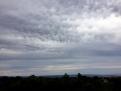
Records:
x=45, y=37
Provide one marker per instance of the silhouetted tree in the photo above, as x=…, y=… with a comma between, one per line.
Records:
x=79, y=75
x=66, y=76
x=79, y=83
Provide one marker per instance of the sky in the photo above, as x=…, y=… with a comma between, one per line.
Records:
x=52, y=37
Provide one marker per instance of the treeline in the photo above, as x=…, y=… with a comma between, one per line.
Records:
x=64, y=83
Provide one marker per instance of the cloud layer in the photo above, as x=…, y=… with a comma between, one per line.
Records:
x=67, y=35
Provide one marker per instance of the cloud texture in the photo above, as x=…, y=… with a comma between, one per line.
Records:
x=53, y=37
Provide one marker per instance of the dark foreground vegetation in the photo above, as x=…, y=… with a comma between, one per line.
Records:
x=64, y=83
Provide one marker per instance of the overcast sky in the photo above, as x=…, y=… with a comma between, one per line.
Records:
x=45, y=37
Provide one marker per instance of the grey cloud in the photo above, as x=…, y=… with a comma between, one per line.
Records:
x=58, y=30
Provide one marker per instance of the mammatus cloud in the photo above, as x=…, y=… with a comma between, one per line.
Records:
x=58, y=32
